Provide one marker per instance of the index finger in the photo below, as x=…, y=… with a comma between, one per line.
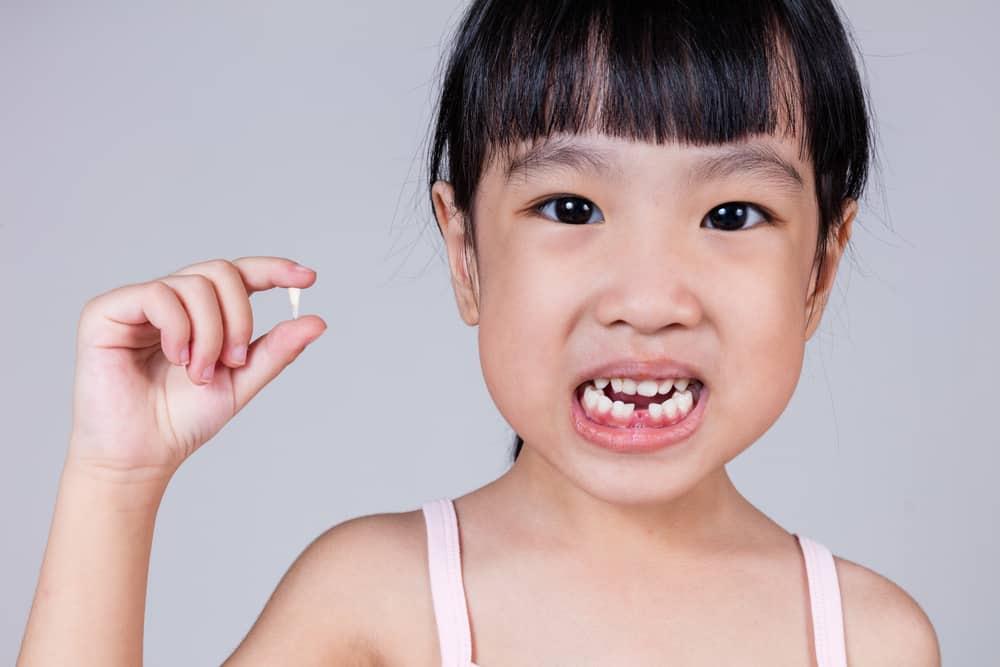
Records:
x=264, y=273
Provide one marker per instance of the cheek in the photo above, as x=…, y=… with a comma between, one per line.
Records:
x=762, y=342
x=522, y=338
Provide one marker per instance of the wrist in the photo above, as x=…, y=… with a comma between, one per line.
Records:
x=134, y=489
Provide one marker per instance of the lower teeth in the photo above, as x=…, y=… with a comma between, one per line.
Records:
x=602, y=410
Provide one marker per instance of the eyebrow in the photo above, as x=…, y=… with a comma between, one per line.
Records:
x=554, y=156
x=755, y=159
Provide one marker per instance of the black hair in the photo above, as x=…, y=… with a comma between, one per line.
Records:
x=696, y=72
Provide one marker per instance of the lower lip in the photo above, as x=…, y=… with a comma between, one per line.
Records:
x=637, y=439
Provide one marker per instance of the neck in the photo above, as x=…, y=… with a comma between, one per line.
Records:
x=708, y=517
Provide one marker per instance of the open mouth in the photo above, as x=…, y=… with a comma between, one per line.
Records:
x=640, y=402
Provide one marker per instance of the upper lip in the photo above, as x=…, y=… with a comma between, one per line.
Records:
x=636, y=369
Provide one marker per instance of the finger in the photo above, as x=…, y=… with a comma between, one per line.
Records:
x=201, y=302
x=261, y=273
x=264, y=273
x=127, y=307
x=272, y=353
x=234, y=305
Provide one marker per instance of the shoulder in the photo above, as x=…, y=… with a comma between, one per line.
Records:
x=883, y=624
x=345, y=595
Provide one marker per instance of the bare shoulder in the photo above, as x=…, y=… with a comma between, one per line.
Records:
x=341, y=601
x=883, y=624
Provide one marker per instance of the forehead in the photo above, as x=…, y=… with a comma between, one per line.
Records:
x=775, y=160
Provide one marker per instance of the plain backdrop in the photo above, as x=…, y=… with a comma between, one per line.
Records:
x=138, y=138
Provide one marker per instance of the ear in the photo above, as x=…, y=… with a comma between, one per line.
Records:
x=823, y=284
x=451, y=223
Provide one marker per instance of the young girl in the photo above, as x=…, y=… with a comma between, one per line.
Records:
x=644, y=206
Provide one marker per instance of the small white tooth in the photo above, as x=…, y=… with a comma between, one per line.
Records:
x=681, y=383
x=669, y=408
x=655, y=410
x=590, y=396
x=684, y=402
x=622, y=410
x=628, y=386
x=646, y=388
x=664, y=387
x=601, y=383
x=604, y=404
x=616, y=384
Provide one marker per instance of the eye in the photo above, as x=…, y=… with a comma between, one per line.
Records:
x=732, y=216
x=570, y=209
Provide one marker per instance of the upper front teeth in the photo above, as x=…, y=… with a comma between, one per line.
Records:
x=642, y=387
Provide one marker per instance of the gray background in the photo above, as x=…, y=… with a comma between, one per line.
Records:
x=139, y=138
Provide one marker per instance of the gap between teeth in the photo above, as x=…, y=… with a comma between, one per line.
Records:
x=680, y=403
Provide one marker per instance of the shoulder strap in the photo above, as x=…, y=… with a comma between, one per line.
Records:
x=824, y=600
x=445, y=563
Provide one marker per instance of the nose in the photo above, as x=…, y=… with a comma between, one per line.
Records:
x=649, y=279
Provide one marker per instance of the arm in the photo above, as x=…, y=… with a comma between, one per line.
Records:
x=90, y=600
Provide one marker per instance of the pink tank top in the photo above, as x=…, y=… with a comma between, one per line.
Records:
x=452, y=615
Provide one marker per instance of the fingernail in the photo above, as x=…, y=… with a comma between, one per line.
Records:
x=304, y=269
x=207, y=374
x=185, y=356
x=240, y=354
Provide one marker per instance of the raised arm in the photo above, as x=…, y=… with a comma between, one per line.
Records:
x=141, y=406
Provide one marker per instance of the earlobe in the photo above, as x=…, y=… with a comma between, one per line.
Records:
x=823, y=283
x=451, y=223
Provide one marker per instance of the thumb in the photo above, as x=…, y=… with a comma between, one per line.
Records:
x=272, y=353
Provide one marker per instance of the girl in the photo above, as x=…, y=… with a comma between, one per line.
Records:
x=644, y=206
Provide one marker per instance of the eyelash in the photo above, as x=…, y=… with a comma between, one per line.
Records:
x=767, y=217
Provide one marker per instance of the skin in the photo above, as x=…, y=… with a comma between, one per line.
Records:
x=549, y=298
x=573, y=556
x=736, y=304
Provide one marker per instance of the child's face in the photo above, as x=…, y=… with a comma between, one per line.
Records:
x=644, y=277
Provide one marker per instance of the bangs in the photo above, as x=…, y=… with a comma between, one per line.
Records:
x=700, y=73
x=704, y=77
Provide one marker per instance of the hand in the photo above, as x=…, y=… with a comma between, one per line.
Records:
x=139, y=408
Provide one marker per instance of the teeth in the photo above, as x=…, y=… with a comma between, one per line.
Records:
x=647, y=388
x=670, y=408
x=621, y=410
x=684, y=401
x=679, y=405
